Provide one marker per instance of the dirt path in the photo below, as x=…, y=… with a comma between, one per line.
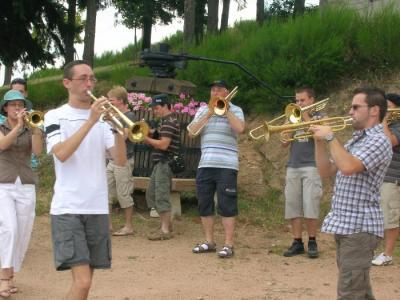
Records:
x=168, y=270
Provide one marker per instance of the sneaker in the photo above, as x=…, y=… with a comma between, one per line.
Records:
x=312, y=249
x=154, y=213
x=159, y=236
x=226, y=252
x=382, y=260
x=296, y=249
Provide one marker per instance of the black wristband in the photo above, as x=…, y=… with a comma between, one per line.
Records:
x=114, y=131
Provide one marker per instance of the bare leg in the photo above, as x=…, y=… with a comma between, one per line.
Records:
x=5, y=282
x=128, y=212
x=390, y=240
x=312, y=225
x=297, y=228
x=81, y=281
x=229, y=226
x=165, y=218
x=208, y=227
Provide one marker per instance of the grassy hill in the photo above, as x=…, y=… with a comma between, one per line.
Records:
x=322, y=49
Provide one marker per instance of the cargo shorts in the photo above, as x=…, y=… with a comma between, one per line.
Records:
x=81, y=240
x=390, y=204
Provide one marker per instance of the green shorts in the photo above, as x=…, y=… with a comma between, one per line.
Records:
x=159, y=189
x=81, y=240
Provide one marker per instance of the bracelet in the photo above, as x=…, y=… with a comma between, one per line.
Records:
x=114, y=131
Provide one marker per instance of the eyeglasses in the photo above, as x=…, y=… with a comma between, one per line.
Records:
x=357, y=106
x=16, y=104
x=84, y=79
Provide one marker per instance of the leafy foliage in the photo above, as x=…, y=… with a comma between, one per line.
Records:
x=31, y=31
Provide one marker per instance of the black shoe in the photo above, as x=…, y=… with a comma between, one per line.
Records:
x=312, y=249
x=296, y=249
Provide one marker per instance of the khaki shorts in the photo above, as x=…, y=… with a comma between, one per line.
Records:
x=390, y=204
x=303, y=192
x=120, y=183
x=159, y=189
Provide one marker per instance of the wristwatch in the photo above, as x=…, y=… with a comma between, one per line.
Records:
x=329, y=137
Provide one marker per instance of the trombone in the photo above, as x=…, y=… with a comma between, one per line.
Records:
x=289, y=132
x=34, y=119
x=137, y=131
x=221, y=105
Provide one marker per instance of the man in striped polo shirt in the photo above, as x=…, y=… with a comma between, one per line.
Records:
x=360, y=165
x=218, y=168
x=165, y=146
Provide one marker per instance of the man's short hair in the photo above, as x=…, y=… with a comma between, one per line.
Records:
x=118, y=92
x=68, y=73
x=19, y=81
x=374, y=97
x=305, y=89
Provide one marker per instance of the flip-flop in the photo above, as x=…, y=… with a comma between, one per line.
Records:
x=122, y=232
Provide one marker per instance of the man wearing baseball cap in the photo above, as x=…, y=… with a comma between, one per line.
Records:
x=390, y=196
x=165, y=146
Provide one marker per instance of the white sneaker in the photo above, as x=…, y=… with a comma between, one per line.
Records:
x=153, y=213
x=382, y=260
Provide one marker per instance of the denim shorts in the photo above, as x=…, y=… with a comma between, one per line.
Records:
x=81, y=240
x=222, y=181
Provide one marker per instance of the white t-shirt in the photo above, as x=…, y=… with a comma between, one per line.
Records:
x=81, y=182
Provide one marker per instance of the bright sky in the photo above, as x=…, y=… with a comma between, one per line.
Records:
x=112, y=37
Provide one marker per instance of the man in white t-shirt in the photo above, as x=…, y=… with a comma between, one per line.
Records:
x=78, y=141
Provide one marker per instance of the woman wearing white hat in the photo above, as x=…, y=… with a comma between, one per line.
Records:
x=17, y=186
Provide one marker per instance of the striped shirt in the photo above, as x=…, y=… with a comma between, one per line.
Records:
x=219, y=147
x=356, y=198
x=393, y=172
x=170, y=128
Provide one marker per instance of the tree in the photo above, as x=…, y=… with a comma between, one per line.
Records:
x=299, y=7
x=31, y=32
x=260, y=15
x=225, y=14
x=145, y=13
x=90, y=31
x=212, y=20
x=200, y=19
x=189, y=21
x=69, y=37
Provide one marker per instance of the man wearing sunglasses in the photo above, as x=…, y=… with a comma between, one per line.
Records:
x=360, y=165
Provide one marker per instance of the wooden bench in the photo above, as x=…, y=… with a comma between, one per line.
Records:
x=184, y=182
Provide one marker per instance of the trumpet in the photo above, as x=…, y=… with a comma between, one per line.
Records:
x=34, y=119
x=221, y=105
x=393, y=115
x=137, y=131
x=289, y=132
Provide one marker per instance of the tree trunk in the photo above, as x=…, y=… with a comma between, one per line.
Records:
x=90, y=32
x=260, y=15
x=212, y=20
x=200, y=19
x=135, y=38
x=225, y=15
x=8, y=70
x=70, y=36
x=189, y=22
x=299, y=7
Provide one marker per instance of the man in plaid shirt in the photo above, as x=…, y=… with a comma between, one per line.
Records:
x=355, y=217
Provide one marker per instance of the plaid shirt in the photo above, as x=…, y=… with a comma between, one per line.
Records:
x=356, y=198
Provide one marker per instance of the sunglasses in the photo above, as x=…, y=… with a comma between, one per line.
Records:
x=357, y=106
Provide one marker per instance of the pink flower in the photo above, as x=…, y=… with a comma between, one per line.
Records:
x=185, y=109
x=203, y=104
x=182, y=96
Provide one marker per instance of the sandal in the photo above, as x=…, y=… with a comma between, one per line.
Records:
x=204, y=247
x=123, y=231
x=13, y=289
x=226, y=252
x=5, y=293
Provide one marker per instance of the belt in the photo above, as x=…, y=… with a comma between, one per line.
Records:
x=391, y=180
